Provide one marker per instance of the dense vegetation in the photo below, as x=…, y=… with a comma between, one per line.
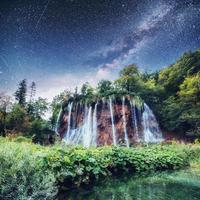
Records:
x=173, y=93
x=29, y=171
x=179, y=108
x=25, y=115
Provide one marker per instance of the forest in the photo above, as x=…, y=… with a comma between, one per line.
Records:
x=173, y=93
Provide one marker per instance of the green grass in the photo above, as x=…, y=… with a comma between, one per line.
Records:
x=29, y=171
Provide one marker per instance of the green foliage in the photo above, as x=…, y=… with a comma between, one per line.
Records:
x=189, y=96
x=190, y=89
x=20, y=139
x=37, y=108
x=172, y=109
x=171, y=77
x=59, y=99
x=175, y=97
x=20, y=177
x=105, y=88
x=24, y=117
x=152, y=93
x=130, y=70
x=56, y=106
x=29, y=171
x=130, y=80
x=87, y=93
x=17, y=119
x=40, y=131
x=36, y=130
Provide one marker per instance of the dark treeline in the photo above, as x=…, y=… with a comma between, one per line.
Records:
x=173, y=93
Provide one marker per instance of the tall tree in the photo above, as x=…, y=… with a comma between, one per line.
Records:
x=130, y=70
x=21, y=93
x=130, y=79
x=87, y=92
x=33, y=90
x=104, y=88
x=40, y=107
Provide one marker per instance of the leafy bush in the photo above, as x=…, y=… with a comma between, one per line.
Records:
x=20, y=178
x=29, y=171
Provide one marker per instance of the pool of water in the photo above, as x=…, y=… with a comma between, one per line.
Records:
x=181, y=185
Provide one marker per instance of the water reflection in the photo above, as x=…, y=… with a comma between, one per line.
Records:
x=182, y=185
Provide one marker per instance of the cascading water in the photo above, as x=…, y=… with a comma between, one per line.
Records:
x=94, y=126
x=124, y=123
x=76, y=134
x=151, y=130
x=57, y=121
x=70, y=105
x=113, y=122
x=88, y=126
x=134, y=120
x=86, y=134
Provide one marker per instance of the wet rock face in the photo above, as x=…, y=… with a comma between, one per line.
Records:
x=106, y=123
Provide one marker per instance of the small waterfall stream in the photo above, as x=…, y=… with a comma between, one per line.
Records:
x=113, y=122
x=58, y=121
x=134, y=120
x=124, y=122
x=87, y=136
x=94, y=126
x=151, y=130
x=70, y=105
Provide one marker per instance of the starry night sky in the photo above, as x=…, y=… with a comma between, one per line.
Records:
x=63, y=43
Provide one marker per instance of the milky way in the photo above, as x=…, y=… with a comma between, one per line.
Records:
x=60, y=44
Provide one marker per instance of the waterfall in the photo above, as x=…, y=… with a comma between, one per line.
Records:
x=70, y=105
x=113, y=122
x=80, y=125
x=57, y=121
x=87, y=134
x=75, y=133
x=151, y=130
x=124, y=123
x=94, y=126
x=134, y=119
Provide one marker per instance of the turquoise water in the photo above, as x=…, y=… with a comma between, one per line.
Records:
x=182, y=185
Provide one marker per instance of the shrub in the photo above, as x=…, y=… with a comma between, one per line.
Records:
x=20, y=178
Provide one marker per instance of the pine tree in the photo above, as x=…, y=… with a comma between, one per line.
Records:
x=20, y=94
x=33, y=91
